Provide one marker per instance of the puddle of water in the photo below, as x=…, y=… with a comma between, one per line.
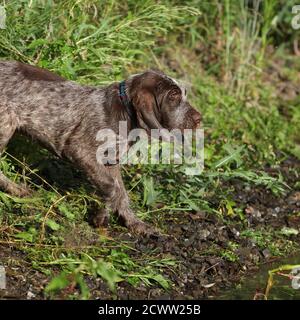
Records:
x=282, y=288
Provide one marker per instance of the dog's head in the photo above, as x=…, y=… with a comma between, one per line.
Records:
x=161, y=102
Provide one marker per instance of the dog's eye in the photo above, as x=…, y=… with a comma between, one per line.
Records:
x=175, y=94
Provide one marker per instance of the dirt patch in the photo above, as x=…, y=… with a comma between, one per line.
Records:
x=211, y=253
x=22, y=279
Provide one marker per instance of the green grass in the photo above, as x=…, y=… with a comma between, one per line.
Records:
x=219, y=49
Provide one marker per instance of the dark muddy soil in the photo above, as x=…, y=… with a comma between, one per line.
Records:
x=196, y=241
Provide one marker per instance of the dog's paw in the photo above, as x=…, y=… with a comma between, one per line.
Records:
x=100, y=219
x=142, y=229
x=21, y=191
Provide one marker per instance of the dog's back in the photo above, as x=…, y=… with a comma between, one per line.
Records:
x=43, y=104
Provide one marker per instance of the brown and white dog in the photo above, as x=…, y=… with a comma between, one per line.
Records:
x=65, y=117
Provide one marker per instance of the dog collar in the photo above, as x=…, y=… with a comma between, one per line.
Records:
x=126, y=102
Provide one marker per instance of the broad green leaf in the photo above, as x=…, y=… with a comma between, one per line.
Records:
x=52, y=224
x=27, y=236
x=58, y=283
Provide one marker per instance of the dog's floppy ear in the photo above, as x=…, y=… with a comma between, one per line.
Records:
x=147, y=110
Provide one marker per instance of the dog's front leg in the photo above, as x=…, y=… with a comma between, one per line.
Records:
x=119, y=203
x=109, y=184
